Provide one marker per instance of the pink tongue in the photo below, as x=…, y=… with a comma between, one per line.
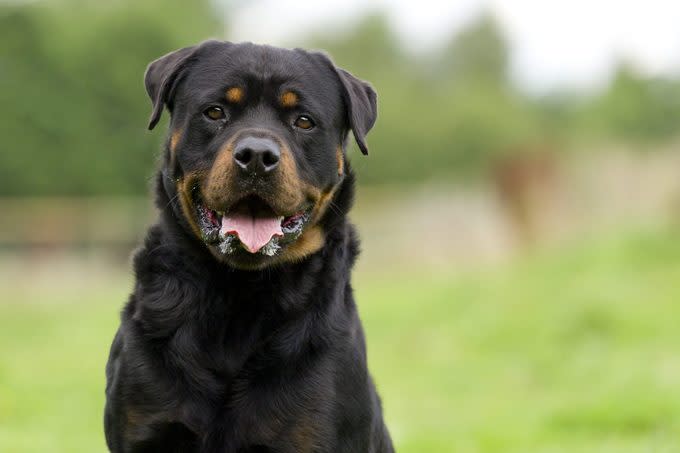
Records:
x=254, y=233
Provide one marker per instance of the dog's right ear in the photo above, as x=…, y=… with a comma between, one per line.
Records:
x=160, y=77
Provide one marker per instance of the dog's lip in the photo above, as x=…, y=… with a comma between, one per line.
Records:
x=254, y=206
x=265, y=233
x=215, y=217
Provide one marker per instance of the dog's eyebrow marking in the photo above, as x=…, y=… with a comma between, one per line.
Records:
x=288, y=99
x=235, y=94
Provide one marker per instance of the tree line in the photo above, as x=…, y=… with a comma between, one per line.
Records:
x=74, y=109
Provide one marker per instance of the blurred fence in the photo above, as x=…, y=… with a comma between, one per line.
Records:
x=62, y=223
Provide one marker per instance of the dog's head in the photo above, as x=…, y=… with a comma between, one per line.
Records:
x=256, y=147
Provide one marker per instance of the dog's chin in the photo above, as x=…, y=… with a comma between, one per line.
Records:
x=250, y=234
x=244, y=260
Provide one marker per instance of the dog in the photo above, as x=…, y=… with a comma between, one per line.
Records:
x=242, y=333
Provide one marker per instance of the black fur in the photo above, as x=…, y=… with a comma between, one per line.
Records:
x=210, y=357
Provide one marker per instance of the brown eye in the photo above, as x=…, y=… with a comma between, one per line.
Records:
x=304, y=122
x=214, y=113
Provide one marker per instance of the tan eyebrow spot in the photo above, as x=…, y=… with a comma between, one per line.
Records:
x=289, y=99
x=235, y=94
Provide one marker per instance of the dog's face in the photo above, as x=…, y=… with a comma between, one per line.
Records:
x=256, y=148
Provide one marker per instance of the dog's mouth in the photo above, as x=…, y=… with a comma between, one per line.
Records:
x=251, y=225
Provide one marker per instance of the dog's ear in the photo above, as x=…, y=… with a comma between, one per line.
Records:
x=361, y=102
x=160, y=77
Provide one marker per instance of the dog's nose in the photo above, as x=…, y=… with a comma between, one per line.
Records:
x=257, y=156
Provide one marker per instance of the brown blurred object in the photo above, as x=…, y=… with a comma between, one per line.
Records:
x=528, y=183
x=44, y=225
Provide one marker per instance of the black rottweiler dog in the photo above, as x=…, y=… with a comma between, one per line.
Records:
x=241, y=334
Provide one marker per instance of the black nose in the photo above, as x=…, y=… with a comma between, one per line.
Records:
x=257, y=156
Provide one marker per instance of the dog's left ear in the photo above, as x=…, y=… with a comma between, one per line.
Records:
x=160, y=77
x=362, y=106
x=361, y=101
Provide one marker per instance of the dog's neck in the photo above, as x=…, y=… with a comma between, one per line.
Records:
x=179, y=290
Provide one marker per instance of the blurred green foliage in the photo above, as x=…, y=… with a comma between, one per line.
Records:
x=633, y=108
x=74, y=107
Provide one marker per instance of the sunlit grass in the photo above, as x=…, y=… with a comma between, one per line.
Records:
x=572, y=351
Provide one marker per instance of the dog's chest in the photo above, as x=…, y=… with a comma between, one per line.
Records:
x=254, y=399
x=229, y=373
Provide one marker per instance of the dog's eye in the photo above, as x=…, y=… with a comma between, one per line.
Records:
x=304, y=122
x=214, y=113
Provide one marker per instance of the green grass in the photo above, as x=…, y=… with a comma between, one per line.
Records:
x=575, y=350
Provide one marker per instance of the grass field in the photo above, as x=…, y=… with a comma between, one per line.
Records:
x=576, y=350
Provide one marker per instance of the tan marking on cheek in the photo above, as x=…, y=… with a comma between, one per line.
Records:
x=313, y=238
x=310, y=242
x=341, y=161
x=184, y=189
x=290, y=190
x=219, y=191
x=235, y=95
x=174, y=139
x=289, y=99
x=322, y=203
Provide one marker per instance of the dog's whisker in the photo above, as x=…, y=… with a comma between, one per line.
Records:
x=336, y=209
x=172, y=200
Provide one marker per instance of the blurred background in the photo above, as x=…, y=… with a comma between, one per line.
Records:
x=520, y=210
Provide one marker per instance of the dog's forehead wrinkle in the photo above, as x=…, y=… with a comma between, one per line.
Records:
x=261, y=60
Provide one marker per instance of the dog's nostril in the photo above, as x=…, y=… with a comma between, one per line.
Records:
x=256, y=155
x=243, y=156
x=270, y=159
